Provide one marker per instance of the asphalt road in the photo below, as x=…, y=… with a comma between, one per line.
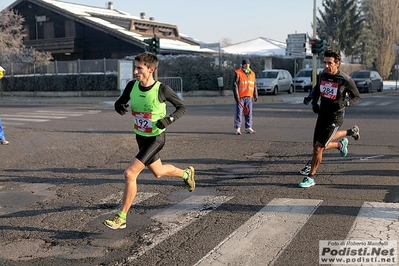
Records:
x=62, y=175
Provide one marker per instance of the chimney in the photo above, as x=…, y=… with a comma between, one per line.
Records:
x=152, y=18
x=110, y=5
x=142, y=15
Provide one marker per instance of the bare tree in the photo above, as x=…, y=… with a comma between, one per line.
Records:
x=384, y=21
x=12, y=49
x=225, y=42
x=11, y=34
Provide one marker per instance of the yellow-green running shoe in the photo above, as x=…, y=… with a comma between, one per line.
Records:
x=116, y=223
x=190, y=182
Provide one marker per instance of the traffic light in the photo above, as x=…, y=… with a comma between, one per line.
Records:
x=318, y=46
x=324, y=45
x=155, y=45
x=313, y=42
x=150, y=47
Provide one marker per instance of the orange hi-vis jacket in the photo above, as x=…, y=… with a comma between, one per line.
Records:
x=246, y=85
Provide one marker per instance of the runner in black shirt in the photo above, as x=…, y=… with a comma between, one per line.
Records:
x=335, y=91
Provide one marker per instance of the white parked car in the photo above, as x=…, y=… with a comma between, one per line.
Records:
x=303, y=80
x=274, y=81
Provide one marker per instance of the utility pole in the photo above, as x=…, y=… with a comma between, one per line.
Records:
x=314, y=75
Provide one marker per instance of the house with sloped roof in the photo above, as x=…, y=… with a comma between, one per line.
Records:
x=73, y=31
x=258, y=46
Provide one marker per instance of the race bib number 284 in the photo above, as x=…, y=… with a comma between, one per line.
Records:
x=328, y=90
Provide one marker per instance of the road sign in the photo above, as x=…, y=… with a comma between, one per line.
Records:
x=300, y=37
x=296, y=55
x=296, y=50
x=296, y=45
x=210, y=45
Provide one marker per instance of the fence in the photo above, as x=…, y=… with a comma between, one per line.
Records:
x=105, y=66
x=175, y=83
x=62, y=67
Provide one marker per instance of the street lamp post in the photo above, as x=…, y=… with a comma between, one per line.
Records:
x=396, y=48
x=314, y=75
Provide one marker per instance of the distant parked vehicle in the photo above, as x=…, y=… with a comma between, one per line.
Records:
x=274, y=81
x=303, y=80
x=367, y=80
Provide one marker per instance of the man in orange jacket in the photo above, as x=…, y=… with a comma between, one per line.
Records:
x=244, y=91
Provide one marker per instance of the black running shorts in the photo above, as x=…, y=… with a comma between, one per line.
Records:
x=149, y=148
x=325, y=128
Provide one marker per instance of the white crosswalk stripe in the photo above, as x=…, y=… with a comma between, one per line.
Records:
x=275, y=226
x=260, y=240
x=177, y=217
x=34, y=116
x=27, y=119
x=376, y=221
x=39, y=116
x=69, y=113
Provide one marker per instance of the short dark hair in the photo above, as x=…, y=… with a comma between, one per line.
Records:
x=331, y=53
x=149, y=59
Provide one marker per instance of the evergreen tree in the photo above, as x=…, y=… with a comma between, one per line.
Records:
x=341, y=25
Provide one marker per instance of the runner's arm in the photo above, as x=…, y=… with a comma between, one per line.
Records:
x=120, y=104
x=167, y=94
x=354, y=95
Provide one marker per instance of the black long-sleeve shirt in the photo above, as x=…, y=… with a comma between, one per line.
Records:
x=335, y=92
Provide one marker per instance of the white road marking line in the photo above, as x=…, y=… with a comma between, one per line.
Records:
x=177, y=217
x=12, y=124
x=371, y=157
x=42, y=116
x=32, y=115
x=365, y=103
x=69, y=113
x=64, y=113
x=376, y=221
x=262, y=238
x=25, y=119
x=384, y=103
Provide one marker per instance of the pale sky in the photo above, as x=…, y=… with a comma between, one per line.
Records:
x=213, y=20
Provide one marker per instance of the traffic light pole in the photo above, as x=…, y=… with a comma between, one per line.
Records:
x=156, y=50
x=314, y=75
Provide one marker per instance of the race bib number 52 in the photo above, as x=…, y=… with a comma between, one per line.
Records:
x=328, y=89
x=142, y=121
